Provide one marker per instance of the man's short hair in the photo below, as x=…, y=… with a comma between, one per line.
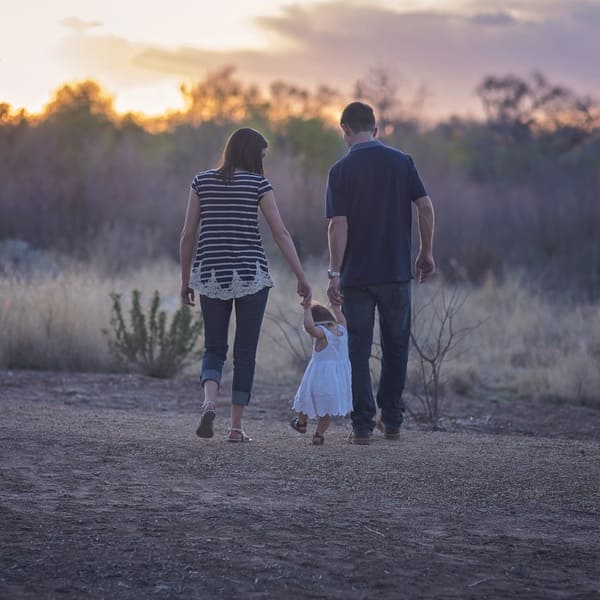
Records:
x=359, y=117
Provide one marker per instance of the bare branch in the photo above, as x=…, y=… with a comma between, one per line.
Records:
x=435, y=338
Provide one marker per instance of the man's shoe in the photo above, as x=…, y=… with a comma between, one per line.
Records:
x=359, y=439
x=389, y=433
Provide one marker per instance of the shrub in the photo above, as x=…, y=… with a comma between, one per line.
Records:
x=157, y=349
x=435, y=338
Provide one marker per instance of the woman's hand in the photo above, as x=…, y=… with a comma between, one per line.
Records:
x=303, y=289
x=306, y=303
x=187, y=295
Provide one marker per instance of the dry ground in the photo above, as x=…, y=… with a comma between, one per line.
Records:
x=107, y=493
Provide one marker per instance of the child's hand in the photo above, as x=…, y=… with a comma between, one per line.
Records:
x=306, y=302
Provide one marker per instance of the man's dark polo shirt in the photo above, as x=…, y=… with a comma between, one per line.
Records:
x=374, y=187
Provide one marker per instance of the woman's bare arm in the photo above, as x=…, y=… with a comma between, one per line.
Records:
x=284, y=241
x=187, y=242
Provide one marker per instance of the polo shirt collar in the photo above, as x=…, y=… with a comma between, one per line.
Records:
x=362, y=145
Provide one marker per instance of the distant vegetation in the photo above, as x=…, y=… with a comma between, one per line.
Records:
x=526, y=346
x=517, y=189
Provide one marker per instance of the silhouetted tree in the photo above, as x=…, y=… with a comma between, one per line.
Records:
x=222, y=99
x=521, y=107
x=381, y=89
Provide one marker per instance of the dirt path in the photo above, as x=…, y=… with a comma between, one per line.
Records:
x=105, y=492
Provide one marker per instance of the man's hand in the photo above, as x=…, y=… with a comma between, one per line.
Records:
x=424, y=266
x=187, y=295
x=334, y=291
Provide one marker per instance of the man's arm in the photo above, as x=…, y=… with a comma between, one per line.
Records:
x=336, y=309
x=337, y=234
x=425, y=265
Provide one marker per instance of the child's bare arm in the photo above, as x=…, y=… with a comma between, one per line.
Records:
x=309, y=324
x=336, y=309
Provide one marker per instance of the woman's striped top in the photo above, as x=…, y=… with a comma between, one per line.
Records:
x=230, y=259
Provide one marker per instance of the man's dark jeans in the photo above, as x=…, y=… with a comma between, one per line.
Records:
x=392, y=301
x=216, y=313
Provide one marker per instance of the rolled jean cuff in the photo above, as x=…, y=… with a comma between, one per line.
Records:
x=210, y=375
x=240, y=398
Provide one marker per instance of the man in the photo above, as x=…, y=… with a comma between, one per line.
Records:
x=369, y=203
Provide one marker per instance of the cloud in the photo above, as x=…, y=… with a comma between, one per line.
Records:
x=494, y=19
x=112, y=60
x=337, y=43
x=539, y=10
x=79, y=25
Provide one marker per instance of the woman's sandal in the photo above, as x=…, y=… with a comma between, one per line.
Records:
x=318, y=439
x=205, y=428
x=241, y=437
x=298, y=425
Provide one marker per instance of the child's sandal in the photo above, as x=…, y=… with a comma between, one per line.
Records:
x=298, y=425
x=318, y=439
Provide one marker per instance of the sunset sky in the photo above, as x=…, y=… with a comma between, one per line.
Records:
x=141, y=51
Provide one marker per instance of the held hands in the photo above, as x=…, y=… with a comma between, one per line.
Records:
x=303, y=289
x=424, y=266
x=187, y=295
x=334, y=291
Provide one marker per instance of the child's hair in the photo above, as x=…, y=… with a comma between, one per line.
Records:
x=321, y=314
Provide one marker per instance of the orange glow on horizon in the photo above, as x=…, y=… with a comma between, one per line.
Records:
x=92, y=96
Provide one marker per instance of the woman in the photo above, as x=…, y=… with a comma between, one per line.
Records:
x=230, y=267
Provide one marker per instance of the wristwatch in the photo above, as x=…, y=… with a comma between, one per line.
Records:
x=331, y=274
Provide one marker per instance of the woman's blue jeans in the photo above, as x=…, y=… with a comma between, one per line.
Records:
x=216, y=313
x=392, y=301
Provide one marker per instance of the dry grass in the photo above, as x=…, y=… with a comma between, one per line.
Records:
x=532, y=345
x=525, y=345
x=54, y=321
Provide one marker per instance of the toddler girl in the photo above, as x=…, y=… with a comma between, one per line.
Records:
x=326, y=387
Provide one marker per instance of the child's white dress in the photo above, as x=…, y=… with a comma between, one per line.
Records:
x=326, y=387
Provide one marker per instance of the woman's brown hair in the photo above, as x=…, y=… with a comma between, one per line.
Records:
x=243, y=150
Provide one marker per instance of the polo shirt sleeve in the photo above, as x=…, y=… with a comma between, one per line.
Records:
x=263, y=187
x=336, y=203
x=417, y=189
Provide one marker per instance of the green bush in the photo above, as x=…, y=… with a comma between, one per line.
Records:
x=149, y=343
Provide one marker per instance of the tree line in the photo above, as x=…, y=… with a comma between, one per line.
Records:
x=517, y=188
